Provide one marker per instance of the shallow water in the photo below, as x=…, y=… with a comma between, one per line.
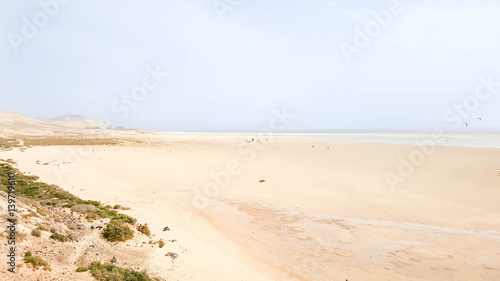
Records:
x=486, y=141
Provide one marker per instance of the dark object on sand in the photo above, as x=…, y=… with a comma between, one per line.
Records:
x=113, y=260
x=166, y=228
x=262, y=181
x=172, y=255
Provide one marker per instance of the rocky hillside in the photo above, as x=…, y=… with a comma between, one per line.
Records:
x=57, y=233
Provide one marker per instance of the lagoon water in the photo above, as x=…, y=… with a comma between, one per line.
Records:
x=459, y=140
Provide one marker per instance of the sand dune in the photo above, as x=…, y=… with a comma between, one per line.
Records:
x=12, y=119
x=77, y=121
x=21, y=121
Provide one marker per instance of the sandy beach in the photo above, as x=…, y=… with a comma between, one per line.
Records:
x=231, y=140
x=292, y=208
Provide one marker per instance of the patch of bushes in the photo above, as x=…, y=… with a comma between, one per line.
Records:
x=110, y=272
x=59, y=237
x=144, y=228
x=51, y=195
x=28, y=187
x=35, y=261
x=116, y=230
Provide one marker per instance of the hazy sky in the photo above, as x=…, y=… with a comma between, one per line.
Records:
x=230, y=63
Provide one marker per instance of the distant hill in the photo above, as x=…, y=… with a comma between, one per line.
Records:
x=77, y=121
x=12, y=119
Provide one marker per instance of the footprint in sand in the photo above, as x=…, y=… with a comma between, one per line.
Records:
x=296, y=229
x=301, y=237
x=340, y=252
x=420, y=253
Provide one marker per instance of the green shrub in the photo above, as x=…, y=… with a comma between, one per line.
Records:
x=59, y=237
x=82, y=269
x=117, y=216
x=42, y=228
x=36, y=233
x=36, y=261
x=41, y=212
x=116, y=230
x=110, y=272
x=95, y=203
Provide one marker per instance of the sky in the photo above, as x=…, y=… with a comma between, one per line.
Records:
x=229, y=65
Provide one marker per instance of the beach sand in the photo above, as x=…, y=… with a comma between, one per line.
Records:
x=322, y=213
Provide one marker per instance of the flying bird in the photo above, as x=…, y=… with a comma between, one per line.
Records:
x=466, y=124
x=479, y=118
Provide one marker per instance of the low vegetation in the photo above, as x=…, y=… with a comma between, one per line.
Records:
x=117, y=230
x=36, y=233
x=51, y=203
x=144, y=229
x=35, y=261
x=42, y=228
x=68, y=141
x=8, y=143
x=60, y=237
x=110, y=272
x=51, y=195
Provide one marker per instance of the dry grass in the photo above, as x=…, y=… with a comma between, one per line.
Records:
x=6, y=144
x=69, y=141
x=144, y=228
x=36, y=233
x=84, y=208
